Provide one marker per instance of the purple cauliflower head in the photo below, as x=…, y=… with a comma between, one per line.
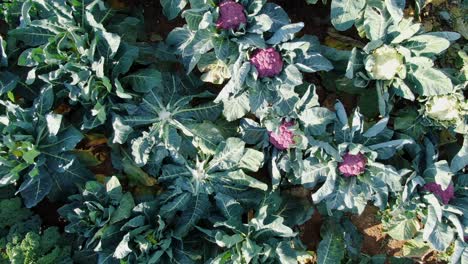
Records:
x=231, y=15
x=352, y=165
x=445, y=195
x=267, y=61
x=284, y=139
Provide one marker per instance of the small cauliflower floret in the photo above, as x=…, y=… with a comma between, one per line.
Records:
x=443, y=108
x=231, y=15
x=164, y=115
x=284, y=138
x=268, y=62
x=445, y=195
x=352, y=165
x=384, y=63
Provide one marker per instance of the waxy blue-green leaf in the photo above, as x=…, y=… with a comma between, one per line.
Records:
x=32, y=36
x=345, y=12
x=229, y=207
x=327, y=188
x=228, y=155
x=236, y=107
x=172, y=8
x=8, y=82
x=316, y=119
x=197, y=210
x=143, y=80
x=395, y=8
x=254, y=40
x=285, y=33
x=430, y=82
x=461, y=159
x=34, y=189
x=276, y=14
x=3, y=55
x=331, y=248
x=405, y=229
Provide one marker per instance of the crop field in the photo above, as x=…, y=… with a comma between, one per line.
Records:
x=233, y=131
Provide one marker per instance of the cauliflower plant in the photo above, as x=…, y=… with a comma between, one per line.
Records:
x=450, y=111
x=231, y=15
x=284, y=138
x=353, y=165
x=443, y=108
x=385, y=63
x=268, y=62
x=444, y=194
x=399, y=63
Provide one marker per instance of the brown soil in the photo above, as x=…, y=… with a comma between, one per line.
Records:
x=310, y=231
x=375, y=242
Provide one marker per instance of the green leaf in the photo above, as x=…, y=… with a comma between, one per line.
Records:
x=310, y=173
x=229, y=207
x=440, y=171
x=194, y=17
x=66, y=140
x=461, y=159
x=395, y=8
x=224, y=240
x=250, y=250
x=262, y=23
x=144, y=80
x=141, y=148
x=252, y=160
x=427, y=44
x=107, y=44
x=178, y=203
x=3, y=55
x=114, y=189
x=285, y=253
x=277, y=15
x=430, y=82
x=403, y=90
x=331, y=249
x=316, y=119
x=34, y=189
x=236, y=107
x=67, y=173
x=251, y=131
x=206, y=136
x=197, y=210
x=124, y=210
x=239, y=179
x=228, y=155
x=345, y=12
x=377, y=128
x=376, y=21
x=354, y=63
x=441, y=237
x=128, y=55
x=405, y=30
x=121, y=130
x=313, y=62
x=8, y=82
x=254, y=40
x=172, y=8
x=32, y=36
x=328, y=186
x=404, y=229
x=285, y=33
x=54, y=122
x=123, y=249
